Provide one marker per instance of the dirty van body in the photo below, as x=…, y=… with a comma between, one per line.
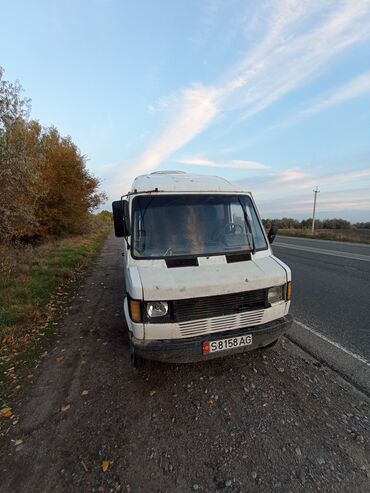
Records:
x=201, y=279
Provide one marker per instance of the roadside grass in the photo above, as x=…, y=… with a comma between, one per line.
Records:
x=351, y=235
x=36, y=286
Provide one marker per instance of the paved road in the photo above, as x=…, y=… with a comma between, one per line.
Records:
x=331, y=286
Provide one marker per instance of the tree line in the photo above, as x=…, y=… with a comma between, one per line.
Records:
x=290, y=223
x=45, y=186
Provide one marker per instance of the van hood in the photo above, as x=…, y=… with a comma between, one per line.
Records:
x=212, y=277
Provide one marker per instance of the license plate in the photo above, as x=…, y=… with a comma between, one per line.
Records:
x=229, y=343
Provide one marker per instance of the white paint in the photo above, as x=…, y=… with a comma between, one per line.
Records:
x=172, y=181
x=353, y=256
x=208, y=279
x=152, y=280
x=214, y=325
x=335, y=344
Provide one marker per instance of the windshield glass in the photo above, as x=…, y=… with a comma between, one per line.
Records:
x=177, y=225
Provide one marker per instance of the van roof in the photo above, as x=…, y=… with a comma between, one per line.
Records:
x=179, y=181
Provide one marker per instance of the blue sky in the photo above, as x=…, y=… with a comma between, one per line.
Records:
x=273, y=94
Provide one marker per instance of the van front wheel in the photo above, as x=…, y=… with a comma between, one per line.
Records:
x=269, y=346
x=136, y=361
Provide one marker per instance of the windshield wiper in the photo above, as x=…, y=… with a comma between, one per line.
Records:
x=246, y=219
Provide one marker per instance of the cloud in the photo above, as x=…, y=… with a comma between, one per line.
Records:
x=193, y=110
x=287, y=55
x=234, y=164
x=327, y=203
x=290, y=175
x=301, y=37
x=355, y=88
x=278, y=207
x=352, y=203
x=281, y=183
x=331, y=180
x=295, y=59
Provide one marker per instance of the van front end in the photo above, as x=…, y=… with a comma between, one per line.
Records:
x=176, y=333
x=201, y=279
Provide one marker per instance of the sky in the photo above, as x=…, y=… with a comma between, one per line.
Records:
x=273, y=95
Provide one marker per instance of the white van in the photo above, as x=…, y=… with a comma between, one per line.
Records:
x=201, y=279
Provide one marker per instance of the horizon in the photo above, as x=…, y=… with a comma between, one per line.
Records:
x=273, y=95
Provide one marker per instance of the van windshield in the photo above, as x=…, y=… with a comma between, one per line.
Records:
x=194, y=225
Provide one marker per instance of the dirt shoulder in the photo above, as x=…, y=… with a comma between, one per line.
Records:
x=258, y=422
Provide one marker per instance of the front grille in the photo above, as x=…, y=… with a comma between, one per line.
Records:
x=217, y=306
x=219, y=324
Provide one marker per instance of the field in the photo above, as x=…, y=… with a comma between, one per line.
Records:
x=352, y=235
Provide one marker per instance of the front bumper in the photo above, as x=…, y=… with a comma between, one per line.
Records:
x=191, y=349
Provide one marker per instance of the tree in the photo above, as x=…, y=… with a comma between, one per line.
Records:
x=336, y=224
x=106, y=215
x=71, y=190
x=45, y=185
x=365, y=225
x=13, y=106
x=20, y=181
x=18, y=155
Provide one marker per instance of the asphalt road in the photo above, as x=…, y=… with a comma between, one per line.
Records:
x=331, y=288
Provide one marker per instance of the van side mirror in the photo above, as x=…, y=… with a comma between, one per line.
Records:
x=126, y=218
x=272, y=233
x=121, y=218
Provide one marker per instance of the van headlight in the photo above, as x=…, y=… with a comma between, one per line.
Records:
x=156, y=309
x=275, y=294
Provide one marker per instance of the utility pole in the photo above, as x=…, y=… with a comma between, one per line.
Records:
x=315, y=191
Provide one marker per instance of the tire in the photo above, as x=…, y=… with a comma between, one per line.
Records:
x=136, y=360
x=269, y=346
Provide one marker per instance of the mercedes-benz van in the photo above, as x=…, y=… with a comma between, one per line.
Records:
x=201, y=278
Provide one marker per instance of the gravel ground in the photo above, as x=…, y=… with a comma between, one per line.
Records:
x=264, y=421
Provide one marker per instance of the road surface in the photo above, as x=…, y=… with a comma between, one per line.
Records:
x=331, y=288
x=263, y=421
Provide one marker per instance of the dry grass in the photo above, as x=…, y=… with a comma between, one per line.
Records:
x=352, y=235
x=29, y=275
x=35, y=286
